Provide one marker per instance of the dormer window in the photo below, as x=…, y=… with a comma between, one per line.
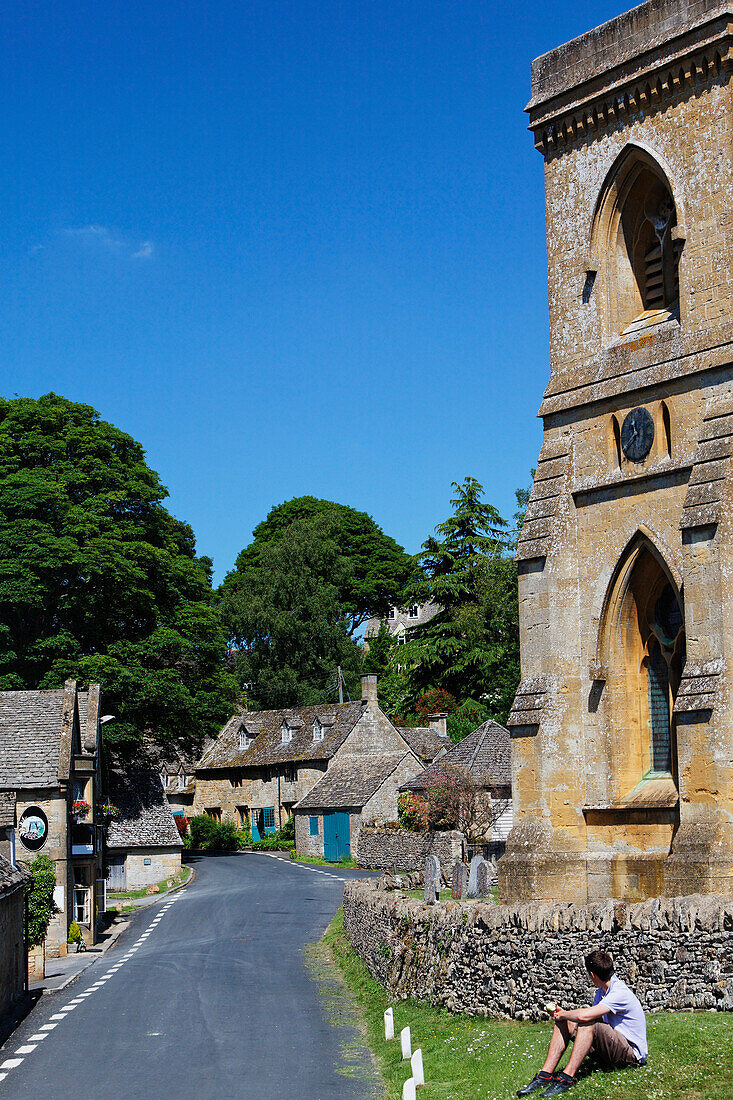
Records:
x=164, y=779
x=392, y=613
x=286, y=733
x=244, y=740
x=318, y=732
x=413, y=611
x=182, y=781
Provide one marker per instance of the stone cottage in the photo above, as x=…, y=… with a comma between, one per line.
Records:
x=13, y=958
x=485, y=757
x=143, y=845
x=264, y=762
x=49, y=760
x=622, y=759
x=428, y=742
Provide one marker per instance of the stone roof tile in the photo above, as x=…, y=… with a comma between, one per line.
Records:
x=267, y=747
x=10, y=877
x=425, y=741
x=7, y=809
x=351, y=780
x=145, y=819
x=485, y=755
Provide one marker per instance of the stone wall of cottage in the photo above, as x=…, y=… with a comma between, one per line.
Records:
x=401, y=850
x=55, y=807
x=164, y=863
x=373, y=733
x=509, y=960
x=218, y=790
x=12, y=949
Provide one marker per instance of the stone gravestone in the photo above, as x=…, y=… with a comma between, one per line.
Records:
x=459, y=880
x=484, y=880
x=473, y=876
x=432, y=879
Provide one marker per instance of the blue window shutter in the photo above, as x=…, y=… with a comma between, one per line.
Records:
x=314, y=826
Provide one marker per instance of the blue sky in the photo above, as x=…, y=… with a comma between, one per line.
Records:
x=292, y=246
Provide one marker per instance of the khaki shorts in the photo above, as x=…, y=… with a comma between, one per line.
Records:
x=610, y=1048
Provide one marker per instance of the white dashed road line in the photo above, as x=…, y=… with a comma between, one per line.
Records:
x=45, y=1030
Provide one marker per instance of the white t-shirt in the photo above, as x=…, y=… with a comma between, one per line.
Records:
x=623, y=1012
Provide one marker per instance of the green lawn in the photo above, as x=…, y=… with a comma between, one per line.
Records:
x=472, y=1058
x=127, y=895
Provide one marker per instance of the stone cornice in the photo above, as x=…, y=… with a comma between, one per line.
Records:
x=680, y=67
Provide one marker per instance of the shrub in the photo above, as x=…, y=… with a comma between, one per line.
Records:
x=412, y=811
x=214, y=836
x=181, y=824
x=74, y=935
x=273, y=844
x=287, y=832
x=41, y=906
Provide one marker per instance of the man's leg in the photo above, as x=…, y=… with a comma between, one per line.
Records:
x=563, y=1033
x=581, y=1045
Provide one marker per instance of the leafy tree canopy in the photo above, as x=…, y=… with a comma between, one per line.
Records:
x=372, y=568
x=471, y=647
x=98, y=580
x=283, y=606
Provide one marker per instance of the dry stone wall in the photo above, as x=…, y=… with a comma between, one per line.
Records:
x=400, y=850
x=508, y=960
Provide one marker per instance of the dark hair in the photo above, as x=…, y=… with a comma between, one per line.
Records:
x=599, y=963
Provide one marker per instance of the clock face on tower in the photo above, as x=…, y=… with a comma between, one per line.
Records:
x=637, y=434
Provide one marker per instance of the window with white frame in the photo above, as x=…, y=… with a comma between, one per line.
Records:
x=317, y=731
x=182, y=780
x=413, y=611
x=286, y=733
x=392, y=613
x=244, y=739
x=401, y=639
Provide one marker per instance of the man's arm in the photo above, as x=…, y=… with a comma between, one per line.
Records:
x=582, y=1015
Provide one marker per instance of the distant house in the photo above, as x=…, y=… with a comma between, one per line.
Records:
x=485, y=756
x=264, y=762
x=50, y=767
x=143, y=844
x=177, y=770
x=401, y=620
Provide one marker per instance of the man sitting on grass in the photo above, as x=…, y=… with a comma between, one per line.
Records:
x=612, y=1031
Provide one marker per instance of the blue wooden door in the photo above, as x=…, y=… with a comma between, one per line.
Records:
x=336, y=836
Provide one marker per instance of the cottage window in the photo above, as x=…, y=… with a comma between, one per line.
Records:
x=286, y=733
x=414, y=611
x=244, y=740
x=290, y=773
x=402, y=639
x=236, y=781
x=392, y=613
x=164, y=779
x=213, y=812
x=268, y=815
x=317, y=731
x=313, y=821
x=182, y=780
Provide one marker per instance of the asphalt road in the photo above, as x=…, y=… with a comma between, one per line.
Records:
x=208, y=994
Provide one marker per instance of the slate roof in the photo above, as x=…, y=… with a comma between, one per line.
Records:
x=264, y=727
x=425, y=741
x=351, y=780
x=145, y=819
x=485, y=754
x=7, y=809
x=30, y=736
x=10, y=877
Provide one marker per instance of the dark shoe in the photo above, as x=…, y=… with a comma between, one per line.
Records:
x=560, y=1084
x=535, y=1084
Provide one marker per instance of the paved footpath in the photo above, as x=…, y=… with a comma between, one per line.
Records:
x=206, y=995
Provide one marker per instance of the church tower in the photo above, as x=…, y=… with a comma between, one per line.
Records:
x=622, y=727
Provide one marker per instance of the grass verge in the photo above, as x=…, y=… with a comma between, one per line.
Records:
x=348, y=863
x=163, y=888
x=472, y=1058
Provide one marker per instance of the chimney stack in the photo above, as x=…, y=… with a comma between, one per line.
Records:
x=439, y=723
x=369, y=689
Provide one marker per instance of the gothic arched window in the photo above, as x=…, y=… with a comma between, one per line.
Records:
x=635, y=240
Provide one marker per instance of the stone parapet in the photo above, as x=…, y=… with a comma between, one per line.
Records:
x=508, y=960
x=401, y=850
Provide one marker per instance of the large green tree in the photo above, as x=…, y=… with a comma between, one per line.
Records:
x=471, y=647
x=285, y=612
x=98, y=580
x=372, y=568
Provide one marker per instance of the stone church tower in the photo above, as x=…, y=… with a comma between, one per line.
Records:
x=622, y=751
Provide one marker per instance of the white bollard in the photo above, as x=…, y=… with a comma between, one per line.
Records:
x=406, y=1042
x=389, y=1024
x=417, y=1069
x=408, y=1089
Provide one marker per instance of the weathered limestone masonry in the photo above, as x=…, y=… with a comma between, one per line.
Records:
x=508, y=960
x=13, y=962
x=400, y=850
x=622, y=754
